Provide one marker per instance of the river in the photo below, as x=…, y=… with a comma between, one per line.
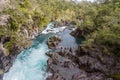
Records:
x=31, y=63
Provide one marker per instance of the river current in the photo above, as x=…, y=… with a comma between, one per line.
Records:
x=31, y=63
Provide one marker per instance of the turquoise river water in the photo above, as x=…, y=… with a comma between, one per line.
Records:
x=31, y=63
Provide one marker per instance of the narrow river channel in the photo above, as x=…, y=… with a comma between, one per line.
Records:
x=31, y=63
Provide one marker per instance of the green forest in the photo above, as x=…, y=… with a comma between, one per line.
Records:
x=99, y=21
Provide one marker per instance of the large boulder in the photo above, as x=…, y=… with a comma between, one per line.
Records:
x=77, y=33
x=53, y=42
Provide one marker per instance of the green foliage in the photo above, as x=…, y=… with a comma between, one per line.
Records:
x=115, y=76
x=25, y=4
x=100, y=20
x=9, y=45
x=32, y=14
x=88, y=22
x=39, y=19
x=13, y=24
x=2, y=30
x=88, y=42
x=110, y=38
x=1, y=71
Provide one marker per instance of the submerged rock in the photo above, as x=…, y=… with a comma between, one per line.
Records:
x=53, y=42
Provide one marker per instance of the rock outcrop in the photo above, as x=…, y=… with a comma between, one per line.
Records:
x=82, y=64
x=77, y=33
x=6, y=57
x=53, y=42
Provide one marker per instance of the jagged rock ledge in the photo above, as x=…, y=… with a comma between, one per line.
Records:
x=83, y=63
x=52, y=42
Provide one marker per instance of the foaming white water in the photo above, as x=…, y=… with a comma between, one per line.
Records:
x=50, y=29
x=29, y=65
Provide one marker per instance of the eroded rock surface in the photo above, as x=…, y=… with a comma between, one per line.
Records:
x=77, y=32
x=53, y=42
x=82, y=64
x=6, y=59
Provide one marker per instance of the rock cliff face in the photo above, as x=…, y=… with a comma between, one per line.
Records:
x=7, y=57
x=6, y=60
x=29, y=33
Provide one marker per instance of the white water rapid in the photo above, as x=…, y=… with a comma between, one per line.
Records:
x=30, y=64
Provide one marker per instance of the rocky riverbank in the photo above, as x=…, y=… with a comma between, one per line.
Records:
x=7, y=57
x=9, y=48
x=7, y=61
x=53, y=42
x=82, y=63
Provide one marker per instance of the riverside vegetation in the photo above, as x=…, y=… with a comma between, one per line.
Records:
x=20, y=21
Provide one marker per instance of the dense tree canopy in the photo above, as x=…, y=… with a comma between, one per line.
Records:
x=100, y=19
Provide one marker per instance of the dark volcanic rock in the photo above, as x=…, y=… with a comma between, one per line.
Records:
x=77, y=33
x=7, y=61
x=53, y=42
x=83, y=64
x=64, y=67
